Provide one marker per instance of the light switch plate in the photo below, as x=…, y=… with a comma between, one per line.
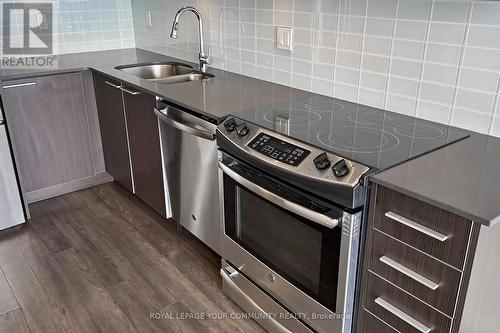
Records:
x=284, y=38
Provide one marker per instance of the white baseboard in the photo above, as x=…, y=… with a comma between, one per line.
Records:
x=64, y=188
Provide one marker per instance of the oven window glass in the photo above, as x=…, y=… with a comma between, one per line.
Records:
x=303, y=252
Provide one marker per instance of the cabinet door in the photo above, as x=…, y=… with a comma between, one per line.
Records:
x=145, y=150
x=113, y=130
x=50, y=131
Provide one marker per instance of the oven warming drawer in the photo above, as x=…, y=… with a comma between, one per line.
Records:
x=262, y=308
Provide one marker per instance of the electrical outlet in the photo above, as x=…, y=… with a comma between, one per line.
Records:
x=284, y=38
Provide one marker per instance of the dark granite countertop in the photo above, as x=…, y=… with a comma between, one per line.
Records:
x=214, y=98
x=463, y=178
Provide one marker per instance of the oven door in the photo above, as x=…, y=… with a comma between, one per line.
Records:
x=287, y=243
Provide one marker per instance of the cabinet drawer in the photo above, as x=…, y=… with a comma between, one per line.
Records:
x=403, y=312
x=430, y=229
x=433, y=282
x=369, y=324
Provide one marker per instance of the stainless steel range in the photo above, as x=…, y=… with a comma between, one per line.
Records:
x=291, y=219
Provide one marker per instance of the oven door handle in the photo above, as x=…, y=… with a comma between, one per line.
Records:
x=282, y=202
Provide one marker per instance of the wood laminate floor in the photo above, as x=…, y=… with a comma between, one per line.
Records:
x=99, y=260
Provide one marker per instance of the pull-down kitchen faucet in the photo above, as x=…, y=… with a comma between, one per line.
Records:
x=204, y=58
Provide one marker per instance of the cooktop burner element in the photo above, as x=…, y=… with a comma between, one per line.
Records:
x=373, y=137
x=419, y=131
x=358, y=139
x=297, y=115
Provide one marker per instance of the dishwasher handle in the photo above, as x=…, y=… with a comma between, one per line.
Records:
x=163, y=116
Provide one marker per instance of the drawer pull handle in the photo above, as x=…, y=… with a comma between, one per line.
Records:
x=10, y=86
x=131, y=92
x=117, y=86
x=418, y=227
x=401, y=315
x=408, y=272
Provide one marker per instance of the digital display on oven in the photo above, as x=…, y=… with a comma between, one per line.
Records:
x=278, y=149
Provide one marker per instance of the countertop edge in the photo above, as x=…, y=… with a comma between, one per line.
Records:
x=426, y=199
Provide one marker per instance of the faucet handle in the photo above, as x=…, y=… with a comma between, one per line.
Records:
x=206, y=59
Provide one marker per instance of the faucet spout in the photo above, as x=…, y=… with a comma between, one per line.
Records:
x=203, y=57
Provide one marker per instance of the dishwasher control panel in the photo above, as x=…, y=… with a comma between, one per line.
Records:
x=278, y=150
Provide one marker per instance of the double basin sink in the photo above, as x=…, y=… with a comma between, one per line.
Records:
x=165, y=72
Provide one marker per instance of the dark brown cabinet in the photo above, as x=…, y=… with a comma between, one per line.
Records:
x=113, y=130
x=145, y=151
x=416, y=265
x=131, y=141
x=55, y=133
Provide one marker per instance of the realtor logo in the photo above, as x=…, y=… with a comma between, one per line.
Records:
x=27, y=28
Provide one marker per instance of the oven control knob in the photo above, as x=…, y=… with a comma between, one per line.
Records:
x=340, y=169
x=321, y=161
x=230, y=125
x=242, y=129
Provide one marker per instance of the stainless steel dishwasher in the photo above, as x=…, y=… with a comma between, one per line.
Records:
x=189, y=153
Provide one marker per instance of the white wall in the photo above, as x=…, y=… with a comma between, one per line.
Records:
x=433, y=59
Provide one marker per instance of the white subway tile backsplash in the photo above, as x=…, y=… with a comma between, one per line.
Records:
x=371, y=98
x=324, y=87
x=443, y=74
x=436, y=59
x=326, y=22
x=486, y=12
x=303, y=36
x=377, y=45
x=443, y=53
x=327, y=6
x=404, y=87
x=382, y=8
x=353, y=7
x=351, y=24
x=406, y=68
x=350, y=42
x=348, y=59
x=411, y=29
x=408, y=49
x=325, y=39
x=414, y=9
x=450, y=11
x=479, y=80
x=347, y=75
x=436, y=93
x=484, y=36
x=301, y=82
x=471, y=120
x=452, y=33
x=433, y=112
x=303, y=20
x=379, y=27
x=346, y=92
x=323, y=71
x=373, y=81
x=401, y=104
x=482, y=58
x=324, y=55
x=304, y=6
x=475, y=100
x=375, y=63
x=302, y=67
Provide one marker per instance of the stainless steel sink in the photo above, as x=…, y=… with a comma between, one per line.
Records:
x=164, y=72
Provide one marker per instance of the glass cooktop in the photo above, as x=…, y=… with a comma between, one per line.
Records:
x=373, y=137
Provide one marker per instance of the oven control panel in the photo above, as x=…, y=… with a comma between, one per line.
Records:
x=278, y=149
